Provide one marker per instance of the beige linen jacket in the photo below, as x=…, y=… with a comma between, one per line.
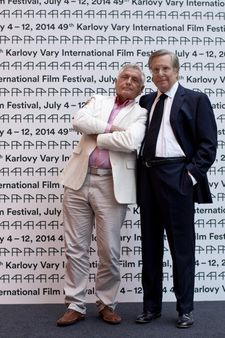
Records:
x=91, y=120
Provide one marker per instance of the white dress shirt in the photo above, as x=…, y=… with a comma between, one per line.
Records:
x=167, y=145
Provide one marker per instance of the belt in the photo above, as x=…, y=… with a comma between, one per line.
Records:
x=162, y=160
x=99, y=171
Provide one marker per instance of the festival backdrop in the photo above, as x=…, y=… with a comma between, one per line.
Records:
x=55, y=55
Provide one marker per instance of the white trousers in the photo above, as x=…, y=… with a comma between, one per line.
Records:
x=93, y=204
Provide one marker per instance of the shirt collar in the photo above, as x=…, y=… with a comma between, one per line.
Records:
x=122, y=104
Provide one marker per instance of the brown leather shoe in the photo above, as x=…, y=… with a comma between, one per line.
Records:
x=109, y=316
x=70, y=317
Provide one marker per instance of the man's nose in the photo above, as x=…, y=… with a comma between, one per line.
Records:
x=161, y=72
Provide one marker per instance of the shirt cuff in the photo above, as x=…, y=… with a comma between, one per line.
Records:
x=192, y=178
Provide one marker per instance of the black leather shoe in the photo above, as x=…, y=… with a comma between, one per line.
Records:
x=184, y=321
x=147, y=316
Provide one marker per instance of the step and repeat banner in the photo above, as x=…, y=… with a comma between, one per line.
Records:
x=56, y=54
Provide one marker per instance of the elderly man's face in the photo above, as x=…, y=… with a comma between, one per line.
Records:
x=163, y=74
x=129, y=84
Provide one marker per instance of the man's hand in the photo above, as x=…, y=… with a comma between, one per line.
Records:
x=93, y=137
x=115, y=128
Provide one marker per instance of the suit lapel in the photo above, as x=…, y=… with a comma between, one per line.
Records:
x=175, y=111
x=177, y=103
x=123, y=112
x=106, y=109
x=149, y=102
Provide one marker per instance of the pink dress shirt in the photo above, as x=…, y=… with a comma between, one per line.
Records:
x=99, y=158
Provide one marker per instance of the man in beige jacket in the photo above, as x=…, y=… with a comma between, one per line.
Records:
x=99, y=182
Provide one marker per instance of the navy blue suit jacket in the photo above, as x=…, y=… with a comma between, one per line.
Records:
x=194, y=126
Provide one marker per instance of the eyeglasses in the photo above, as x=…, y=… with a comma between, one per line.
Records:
x=162, y=70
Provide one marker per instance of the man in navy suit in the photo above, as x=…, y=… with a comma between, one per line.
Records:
x=170, y=179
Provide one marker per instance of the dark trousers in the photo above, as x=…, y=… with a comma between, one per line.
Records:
x=166, y=203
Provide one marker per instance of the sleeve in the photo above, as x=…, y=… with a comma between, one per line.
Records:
x=86, y=119
x=128, y=140
x=206, y=139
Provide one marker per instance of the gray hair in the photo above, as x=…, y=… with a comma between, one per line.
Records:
x=133, y=66
x=161, y=52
